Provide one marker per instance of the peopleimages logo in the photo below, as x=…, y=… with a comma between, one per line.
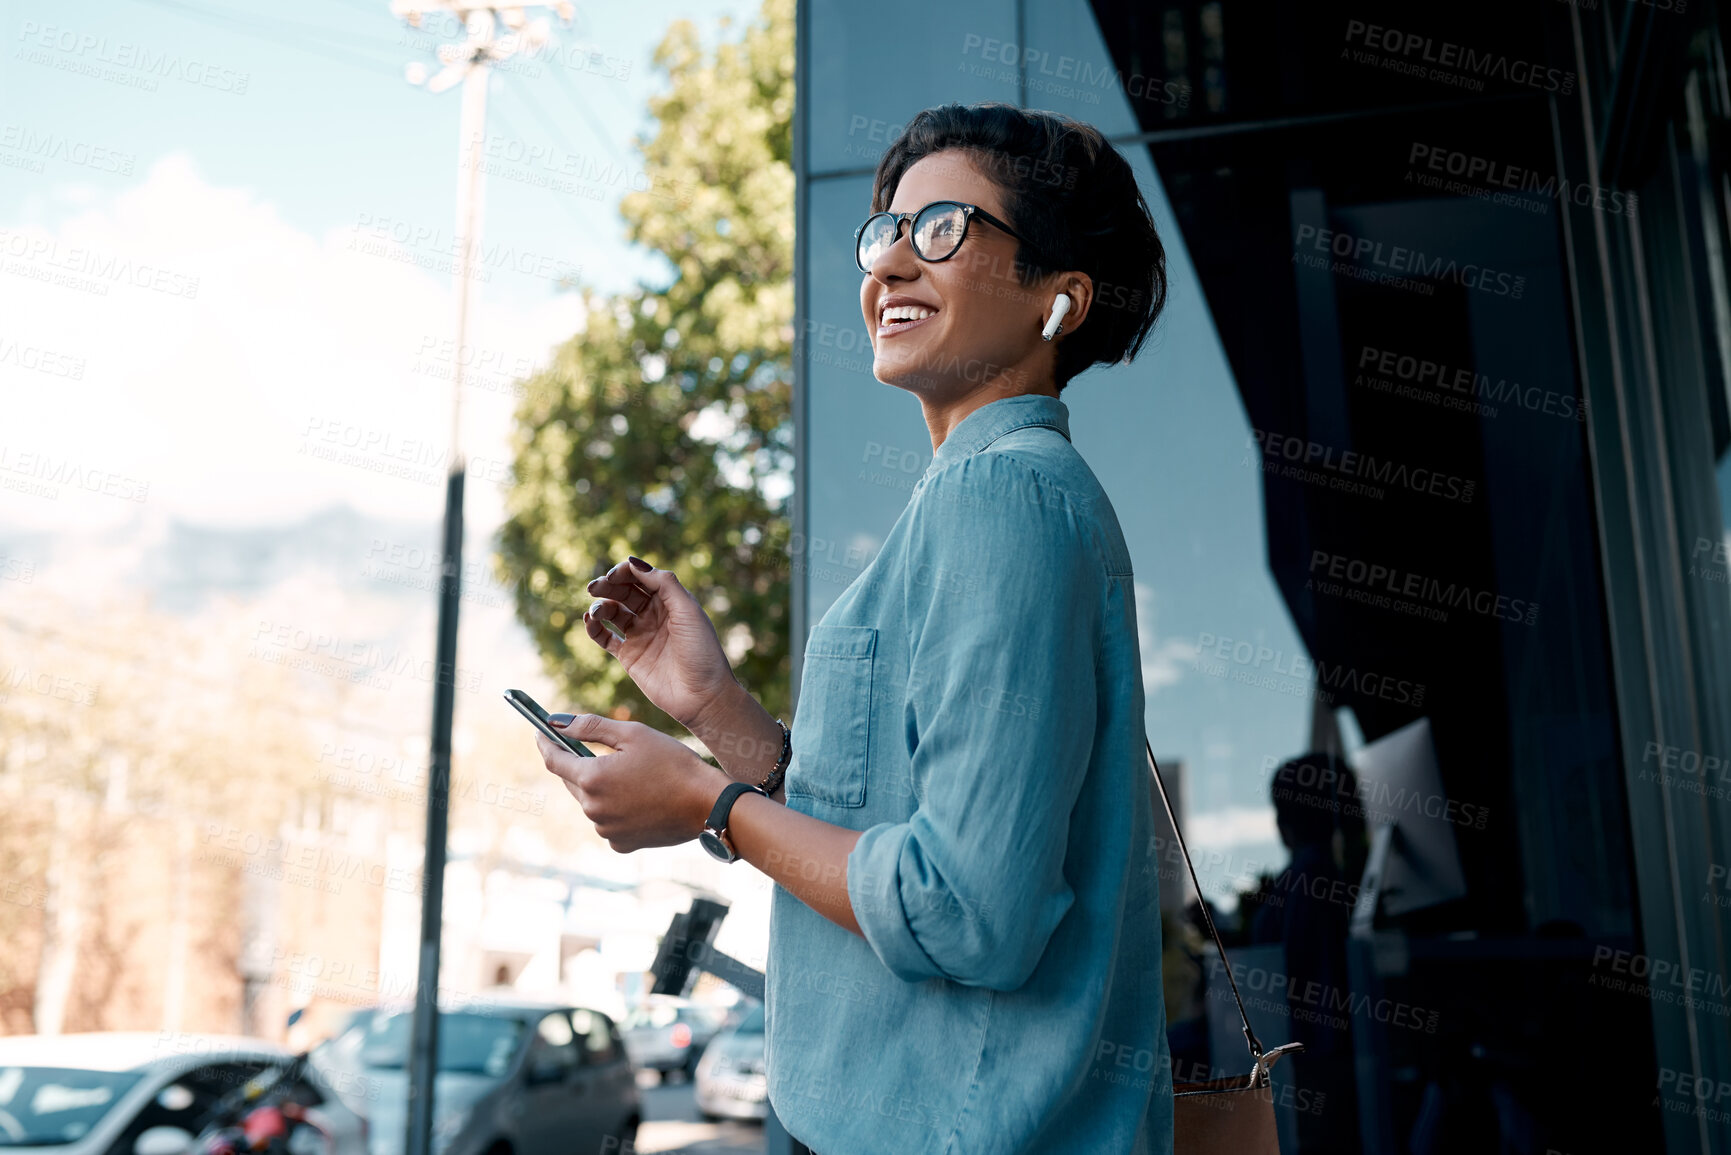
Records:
x=1388, y=260
x=1422, y=378
x=38, y=146
x=89, y=54
x=283, y=643
x=1710, y=559
x=1351, y=470
x=1660, y=980
x=36, y=359
x=1072, y=76
x=1321, y=788
x=1692, y=771
x=1482, y=175
x=1416, y=54
x=1683, y=1092
x=61, y=686
x=1253, y=664
x=41, y=258
x=40, y=474
x=1379, y=579
x=1317, y=1002
x=323, y=864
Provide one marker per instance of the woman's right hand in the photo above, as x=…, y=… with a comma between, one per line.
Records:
x=670, y=647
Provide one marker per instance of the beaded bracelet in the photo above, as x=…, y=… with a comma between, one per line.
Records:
x=773, y=782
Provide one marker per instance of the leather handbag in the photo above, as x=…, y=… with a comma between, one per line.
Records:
x=1232, y=1115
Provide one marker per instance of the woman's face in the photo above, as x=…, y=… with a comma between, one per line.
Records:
x=982, y=326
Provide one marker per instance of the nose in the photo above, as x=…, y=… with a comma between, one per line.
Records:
x=898, y=262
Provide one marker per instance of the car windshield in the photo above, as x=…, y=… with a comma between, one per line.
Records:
x=752, y=1023
x=662, y=1015
x=45, y=1106
x=469, y=1043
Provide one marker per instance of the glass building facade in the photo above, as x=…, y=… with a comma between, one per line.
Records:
x=1436, y=426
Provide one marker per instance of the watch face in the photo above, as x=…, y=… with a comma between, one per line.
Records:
x=712, y=842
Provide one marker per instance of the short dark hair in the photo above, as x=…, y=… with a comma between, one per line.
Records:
x=1072, y=196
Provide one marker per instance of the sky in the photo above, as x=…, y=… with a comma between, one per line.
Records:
x=224, y=250
x=227, y=313
x=226, y=297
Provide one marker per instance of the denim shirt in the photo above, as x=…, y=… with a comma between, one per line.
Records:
x=973, y=703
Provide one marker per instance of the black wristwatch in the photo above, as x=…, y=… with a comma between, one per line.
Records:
x=714, y=836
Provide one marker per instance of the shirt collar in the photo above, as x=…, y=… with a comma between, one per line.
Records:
x=996, y=418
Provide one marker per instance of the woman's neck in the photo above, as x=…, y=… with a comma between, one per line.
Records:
x=942, y=417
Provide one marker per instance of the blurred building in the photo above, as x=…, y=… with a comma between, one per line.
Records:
x=177, y=922
x=1437, y=425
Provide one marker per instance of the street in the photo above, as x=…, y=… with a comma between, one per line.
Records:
x=672, y=1124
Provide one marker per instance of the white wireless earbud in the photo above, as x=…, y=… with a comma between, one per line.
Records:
x=1060, y=306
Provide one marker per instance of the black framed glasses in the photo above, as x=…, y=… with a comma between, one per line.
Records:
x=936, y=233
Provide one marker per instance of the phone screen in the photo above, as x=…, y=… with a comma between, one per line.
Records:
x=531, y=709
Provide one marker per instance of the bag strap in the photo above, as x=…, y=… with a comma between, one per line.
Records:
x=1171, y=816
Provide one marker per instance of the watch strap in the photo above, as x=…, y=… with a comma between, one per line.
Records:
x=723, y=808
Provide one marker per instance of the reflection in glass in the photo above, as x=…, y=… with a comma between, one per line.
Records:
x=48, y=1106
x=475, y=1044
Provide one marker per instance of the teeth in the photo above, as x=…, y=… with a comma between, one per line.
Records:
x=906, y=313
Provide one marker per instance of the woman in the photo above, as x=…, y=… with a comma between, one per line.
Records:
x=965, y=936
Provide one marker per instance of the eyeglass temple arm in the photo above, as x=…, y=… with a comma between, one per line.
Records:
x=992, y=220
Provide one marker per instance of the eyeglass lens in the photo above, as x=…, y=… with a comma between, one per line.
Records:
x=937, y=232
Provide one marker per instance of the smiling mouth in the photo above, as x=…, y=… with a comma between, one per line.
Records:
x=902, y=318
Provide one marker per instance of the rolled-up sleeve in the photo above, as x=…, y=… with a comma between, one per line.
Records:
x=1005, y=591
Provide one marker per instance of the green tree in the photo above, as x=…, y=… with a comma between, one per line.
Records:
x=662, y=427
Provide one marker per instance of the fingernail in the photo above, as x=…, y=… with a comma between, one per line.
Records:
x=593, y=582
x=561, y=719
x=641, y=564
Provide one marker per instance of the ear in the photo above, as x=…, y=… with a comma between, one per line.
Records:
x=1079, y=287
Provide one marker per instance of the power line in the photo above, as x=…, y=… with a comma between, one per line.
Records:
x=279, y=25
x=553, y=126
x=279, y=32
x=583, y=110
x=560, y=199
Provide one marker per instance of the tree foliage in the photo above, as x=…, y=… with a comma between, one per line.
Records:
x=662, y=428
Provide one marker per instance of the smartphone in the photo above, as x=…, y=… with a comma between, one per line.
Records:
x=531, y=709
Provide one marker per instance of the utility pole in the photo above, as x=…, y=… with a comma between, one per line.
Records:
x=469, y=63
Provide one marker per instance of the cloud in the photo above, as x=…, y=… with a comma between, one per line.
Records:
x=1233, y=826
x=176, y=349
x=1163, y=662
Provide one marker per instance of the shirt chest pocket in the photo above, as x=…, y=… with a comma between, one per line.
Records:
x=832, y=731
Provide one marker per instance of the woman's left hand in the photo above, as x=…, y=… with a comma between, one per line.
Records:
x=653, y=791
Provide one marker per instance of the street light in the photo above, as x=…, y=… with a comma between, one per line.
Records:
x=469, y=63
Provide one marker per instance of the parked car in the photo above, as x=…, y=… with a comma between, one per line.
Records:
x=666, y=1035
x=730, y=1077
x=528, y=1078
x=154, y=1092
